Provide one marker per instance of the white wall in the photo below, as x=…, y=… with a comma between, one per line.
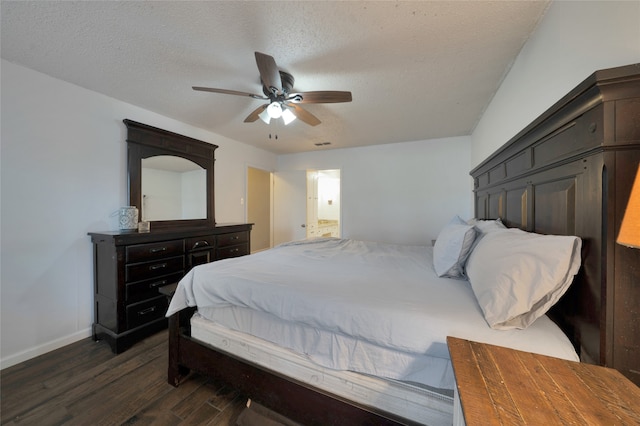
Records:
x=64, y=173
x=574, y=39
x=399, y=193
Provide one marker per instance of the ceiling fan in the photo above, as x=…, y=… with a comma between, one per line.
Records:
x=277, y=86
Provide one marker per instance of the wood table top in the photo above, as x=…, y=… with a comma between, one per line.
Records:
x=502, y=386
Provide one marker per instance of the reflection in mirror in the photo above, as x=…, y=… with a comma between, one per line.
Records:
x=173, y=188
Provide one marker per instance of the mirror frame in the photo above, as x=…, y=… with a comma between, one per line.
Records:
x=145, y=141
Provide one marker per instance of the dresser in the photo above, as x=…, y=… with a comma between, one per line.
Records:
x=130, y=268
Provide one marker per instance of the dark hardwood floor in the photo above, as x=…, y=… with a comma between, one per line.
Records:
x=86, y=384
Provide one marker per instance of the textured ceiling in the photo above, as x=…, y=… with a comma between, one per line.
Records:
x=417, y=70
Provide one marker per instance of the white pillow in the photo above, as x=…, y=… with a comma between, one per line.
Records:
x=517, y=276
x=452, y=248
x=486, y=226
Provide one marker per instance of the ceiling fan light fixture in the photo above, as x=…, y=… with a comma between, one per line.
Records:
x=264, y=116
x=277, y=88
x=274, y=110
x=288, y=116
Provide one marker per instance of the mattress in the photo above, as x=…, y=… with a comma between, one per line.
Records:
x=407, y=400
x=337, y=351
x=371, y=308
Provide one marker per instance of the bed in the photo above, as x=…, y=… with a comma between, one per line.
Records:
x=565, y=177
x=339, y=306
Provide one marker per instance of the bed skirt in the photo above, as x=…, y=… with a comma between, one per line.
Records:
x=406, y=400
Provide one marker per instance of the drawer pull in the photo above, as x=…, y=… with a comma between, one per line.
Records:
x=235, y=250
x=157, y=250
x=235, y=237
x=157, y=284
x=202, y=243
x=147, y=311
x=157, y=266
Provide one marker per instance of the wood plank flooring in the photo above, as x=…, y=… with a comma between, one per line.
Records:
x=86, y=384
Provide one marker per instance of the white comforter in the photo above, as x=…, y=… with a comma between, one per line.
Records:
x=387, y=295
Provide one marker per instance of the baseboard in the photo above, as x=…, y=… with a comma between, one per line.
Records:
x=12, y=360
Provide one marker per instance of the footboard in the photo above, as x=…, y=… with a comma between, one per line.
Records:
x=298, y=401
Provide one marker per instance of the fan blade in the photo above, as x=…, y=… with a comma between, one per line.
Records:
x=269, y=72
x=255, y=114
x=304, y=115
x=320, y=97
x=228, y=92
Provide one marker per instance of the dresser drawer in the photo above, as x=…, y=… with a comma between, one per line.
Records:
x=146, y=270
x=144, y=312
x=199, y=243
x=147, y=289
x=232, y=238
x=143, y=252
x=232, y=251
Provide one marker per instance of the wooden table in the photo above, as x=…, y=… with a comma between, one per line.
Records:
x=502, y=386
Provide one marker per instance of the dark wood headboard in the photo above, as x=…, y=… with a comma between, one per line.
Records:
x=570, y=173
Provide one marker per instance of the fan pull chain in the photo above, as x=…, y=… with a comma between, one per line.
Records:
x=276, y=136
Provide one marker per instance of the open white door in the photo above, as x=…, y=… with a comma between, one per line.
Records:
x=289, y=206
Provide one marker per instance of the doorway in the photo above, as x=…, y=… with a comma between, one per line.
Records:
x=323, y=203
x=306, y=204
x=259, y=208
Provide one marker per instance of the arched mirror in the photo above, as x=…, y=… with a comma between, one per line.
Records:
x=170, y=177
x=173, y=188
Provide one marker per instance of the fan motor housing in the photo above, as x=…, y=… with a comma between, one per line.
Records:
x=286, y=80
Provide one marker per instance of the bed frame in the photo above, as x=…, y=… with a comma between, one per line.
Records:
x=569, y=173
